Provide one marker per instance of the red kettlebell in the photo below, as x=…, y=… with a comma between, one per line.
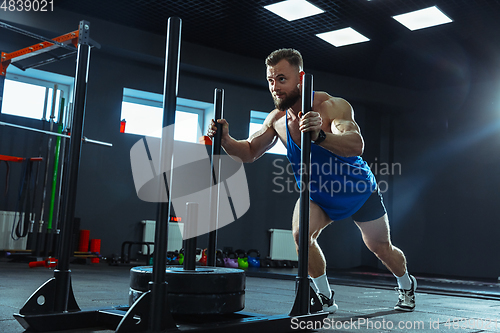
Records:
x=203, y=259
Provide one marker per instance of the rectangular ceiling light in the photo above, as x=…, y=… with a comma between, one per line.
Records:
x=343, y=37
x=294, y=9
x=423, y=18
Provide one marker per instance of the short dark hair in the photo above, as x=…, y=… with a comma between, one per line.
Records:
x=291, y=55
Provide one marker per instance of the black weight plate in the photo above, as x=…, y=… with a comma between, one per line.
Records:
x=204, y=280
x=200, y=304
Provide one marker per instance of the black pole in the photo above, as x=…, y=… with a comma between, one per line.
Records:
x=302, y=301
x=159, y=304
x=190, y=227
x=215, y=176
x=62, y=273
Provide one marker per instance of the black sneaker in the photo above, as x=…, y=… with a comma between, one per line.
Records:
x=328, y=303
x=407, y=297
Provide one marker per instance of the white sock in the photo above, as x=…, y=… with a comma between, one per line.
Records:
x=404, y=281
x=322, y=285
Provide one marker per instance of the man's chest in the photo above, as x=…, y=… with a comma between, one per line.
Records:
x=280, y=126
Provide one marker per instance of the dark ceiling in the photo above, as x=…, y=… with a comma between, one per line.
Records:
x=448, y=55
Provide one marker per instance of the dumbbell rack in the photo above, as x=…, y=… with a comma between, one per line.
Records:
x=150, y=313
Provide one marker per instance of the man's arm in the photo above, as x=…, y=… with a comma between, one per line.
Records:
x=252, y=148
x=346, y=139
x=343, y=137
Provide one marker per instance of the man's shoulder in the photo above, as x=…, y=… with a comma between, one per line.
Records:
x=275, y=115
x=322, y=96
x=331, y=102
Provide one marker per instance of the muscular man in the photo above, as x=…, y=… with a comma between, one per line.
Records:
x=342, y=184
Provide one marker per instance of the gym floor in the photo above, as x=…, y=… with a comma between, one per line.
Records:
x=365, y=299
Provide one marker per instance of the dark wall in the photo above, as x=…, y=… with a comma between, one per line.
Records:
x=445, y=210
x=441, y=197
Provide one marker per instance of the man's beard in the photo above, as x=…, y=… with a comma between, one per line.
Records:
x=288, y=101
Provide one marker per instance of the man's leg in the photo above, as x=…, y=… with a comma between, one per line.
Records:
x=318, y=220
x=376, y=235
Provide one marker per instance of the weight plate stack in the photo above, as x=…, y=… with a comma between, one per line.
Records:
x=207, y=290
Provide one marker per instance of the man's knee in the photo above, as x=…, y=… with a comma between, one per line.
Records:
x=312, y=236
x=296, y=236
x=380, y=249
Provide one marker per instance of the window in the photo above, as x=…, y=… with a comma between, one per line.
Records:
x=30, y=94
x=256, y=120
x=143, y=115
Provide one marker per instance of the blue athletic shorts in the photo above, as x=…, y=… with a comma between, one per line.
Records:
x=372, y=209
